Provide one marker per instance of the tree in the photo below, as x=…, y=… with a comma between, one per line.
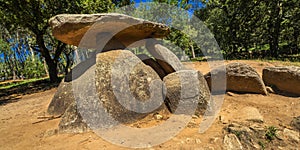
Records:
x=246, y=26
x=176, y=19
x=33, y=15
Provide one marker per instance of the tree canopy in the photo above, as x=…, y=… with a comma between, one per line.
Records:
x=33, y=16
x=243, y=29
x=263, y=28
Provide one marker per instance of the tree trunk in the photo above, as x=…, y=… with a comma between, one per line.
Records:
x=193, y=51
x=68, y=62
x=295, y=41
x=32, y=54
x=45, y=67
x=52, y=64
x=274, y=27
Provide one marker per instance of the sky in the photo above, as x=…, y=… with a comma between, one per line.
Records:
x=195, y=3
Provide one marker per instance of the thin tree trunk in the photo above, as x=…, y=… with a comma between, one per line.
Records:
x=32, y=54
x=274, y=27
x=45, y=67
x=52, y=65
x=193, y=51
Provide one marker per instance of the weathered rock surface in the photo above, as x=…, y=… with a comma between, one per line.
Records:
x=291, y=135
x=286, y=78
x=189, y=87
x=296, y=122
x=240, y=77
x=165, y=57
x=71, y=28
x=153, y=64
x=64, y=95
x=123, y=84
x=112, y=44
x=71, y=121
x=62, y=99
x=231, y=142
x=249, y=138
x=251, y=114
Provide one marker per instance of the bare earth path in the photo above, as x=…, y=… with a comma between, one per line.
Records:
x=19, y=130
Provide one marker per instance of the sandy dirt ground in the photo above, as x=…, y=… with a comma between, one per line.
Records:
x=20, y=129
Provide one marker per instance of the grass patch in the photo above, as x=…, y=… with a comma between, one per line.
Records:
x=11, y=90
x=262, y=145
x=17, y=83
x=271, y=133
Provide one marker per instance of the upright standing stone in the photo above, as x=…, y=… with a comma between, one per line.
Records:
x=286, y=78
x=117, y=82
x=165, y=57
x=189, y=87
x=240, y=77
x=62, y=99
x=152, y=63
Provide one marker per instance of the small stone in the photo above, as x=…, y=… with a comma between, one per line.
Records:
x=292, y=135
x=198, y=141
x=296, y=122
x=232, y=142
x=258, y=128
x=195, y=117
x=158, y=117
x=230, y=93
x=210, y=148
x=214, y=140
x=223, y=120
x=280, y=135
x=269, y=89
x=251, y=114
x=237, y=128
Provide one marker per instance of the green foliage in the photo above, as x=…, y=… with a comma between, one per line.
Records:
x=33, y=69
x=182, y=33
x=15, y=66
x=242, y=26
x=262, y=145
x=271, y=133
x=238, y=134
x=19, y=83
x=32, y=17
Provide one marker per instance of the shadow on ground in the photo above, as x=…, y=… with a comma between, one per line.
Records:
x=14, y=94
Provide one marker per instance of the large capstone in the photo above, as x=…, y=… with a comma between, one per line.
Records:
x=106, y=31
x=240, y=77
